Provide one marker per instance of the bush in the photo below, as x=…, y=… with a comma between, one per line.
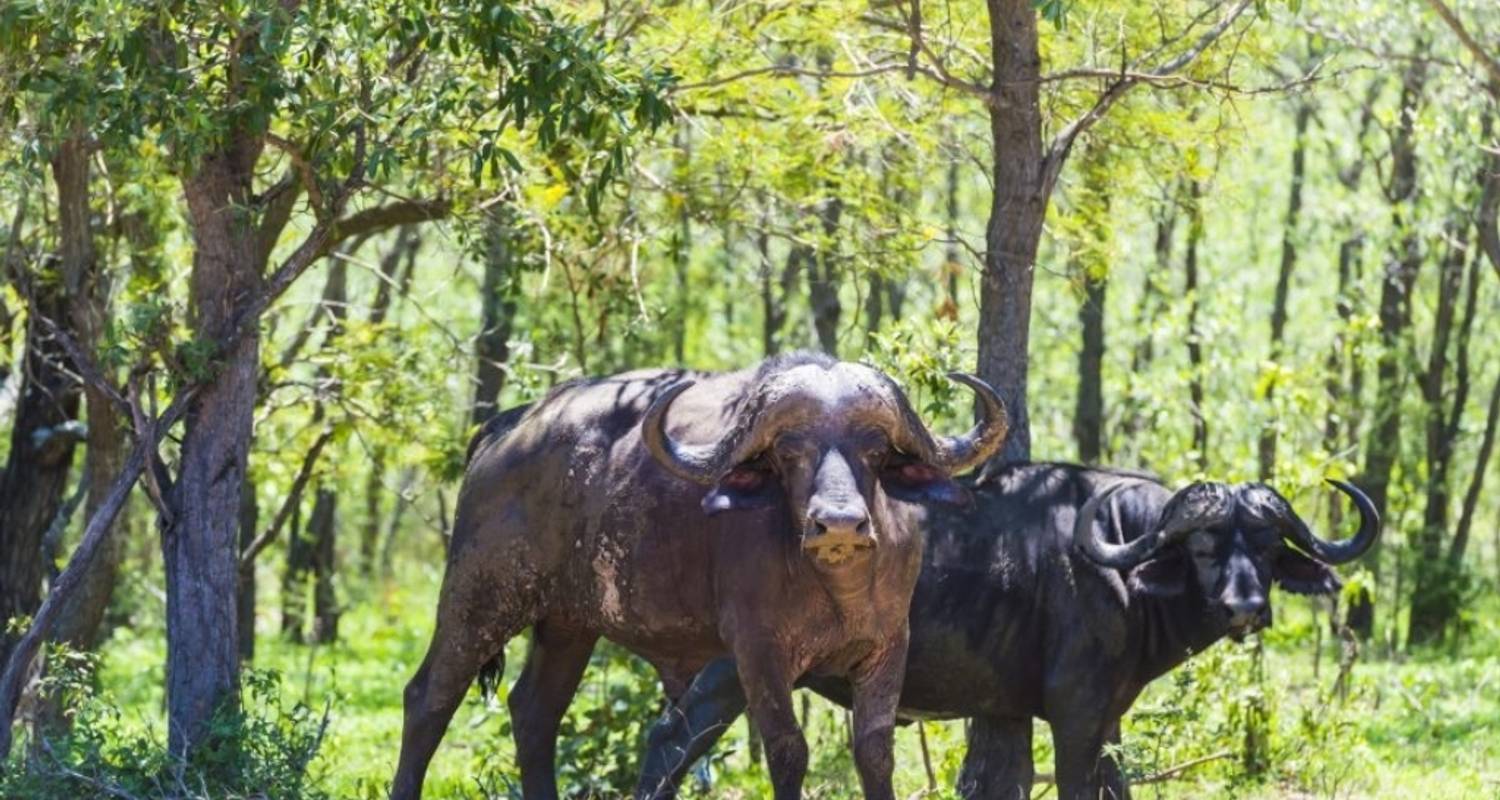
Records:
x=255, y=750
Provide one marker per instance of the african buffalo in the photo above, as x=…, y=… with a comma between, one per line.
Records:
x=1059, y=594
x=590, y=514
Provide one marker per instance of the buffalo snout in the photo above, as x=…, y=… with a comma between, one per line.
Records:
x=838, y=518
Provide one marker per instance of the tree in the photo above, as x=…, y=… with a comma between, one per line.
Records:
x=235, y=92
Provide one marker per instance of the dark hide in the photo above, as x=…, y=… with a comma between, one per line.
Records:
x=1010, y=621
x=568, y=525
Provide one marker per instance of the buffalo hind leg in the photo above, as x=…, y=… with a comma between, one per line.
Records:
x=540, y=698
x=998, y=763
x=689, y=728
x=454, y=659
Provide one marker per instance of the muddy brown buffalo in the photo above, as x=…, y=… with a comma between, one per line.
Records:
x=765, y=514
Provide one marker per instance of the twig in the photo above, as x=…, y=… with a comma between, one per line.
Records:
x=293, y=497
x=1173, y=772
x=1489, y=62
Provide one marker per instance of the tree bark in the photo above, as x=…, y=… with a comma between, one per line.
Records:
x=321, y=527
x=1383, y=444
x=44, y=430
x=1432, y=586
x=245, y=594
x=497, y=315
x=1088, y=413
x=1289, y=234
x=1017, y=210
x=823, y=276
x=200, y=542
x=1197, y=396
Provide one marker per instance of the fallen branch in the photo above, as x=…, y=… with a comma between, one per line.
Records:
x=1170, y=773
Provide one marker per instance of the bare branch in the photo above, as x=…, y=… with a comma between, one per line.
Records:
x=1057, y=152
x=293, y=497
x=1490, y=63
x=788, y=71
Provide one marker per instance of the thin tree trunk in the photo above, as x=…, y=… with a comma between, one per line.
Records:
x=321, y=528
x=395, y=274
x=1196, y=393
x=1383, y=444
x=823, y=277
x=299, y=548
x=497, y=315
x=1435, y=586
x=1090, y=263
x=1289, y=235
x=1017, y=210
x=1338, y=428
x=1088, y=412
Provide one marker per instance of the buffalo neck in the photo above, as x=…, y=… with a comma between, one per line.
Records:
x=1173, y=629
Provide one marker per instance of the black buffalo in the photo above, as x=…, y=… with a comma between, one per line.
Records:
x=1060, y=594
x=597, y=513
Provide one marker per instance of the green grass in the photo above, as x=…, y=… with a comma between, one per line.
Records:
x=1424, y=727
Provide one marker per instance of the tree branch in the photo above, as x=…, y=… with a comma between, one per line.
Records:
x=1128, y=79
x=293, y=497
x=370, y=221
x=1485, y=59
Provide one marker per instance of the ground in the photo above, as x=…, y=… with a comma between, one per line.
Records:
x=1415, y=727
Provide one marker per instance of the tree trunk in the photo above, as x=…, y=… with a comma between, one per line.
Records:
x=87, y=285
x=823, y=277
x=1289, y=234
x=1017, y=211
x=44, y=430
x=199, y=542
x=321, y=528
x=245, y=602
x=1339, y=422
x=1432, y=587
x=1088, y=413
x=1196, y=393
x=299, y=557
x=497, y=314
x=1383, y=444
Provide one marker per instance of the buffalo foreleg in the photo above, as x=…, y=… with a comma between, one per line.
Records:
x=998, y=763
x=554, y=667
x=1084, y=770
x=877, y=690
x=689, y=728
x=768, y=691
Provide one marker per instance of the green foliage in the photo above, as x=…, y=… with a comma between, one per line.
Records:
x=258, y=750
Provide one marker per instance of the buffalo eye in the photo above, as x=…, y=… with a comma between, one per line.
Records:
x=744, y=478
x=913, y=473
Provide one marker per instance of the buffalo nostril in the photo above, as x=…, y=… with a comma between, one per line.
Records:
x=1246, y=606
x=839, y=521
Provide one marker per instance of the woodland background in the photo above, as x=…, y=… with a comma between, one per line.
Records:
x=1207, y=238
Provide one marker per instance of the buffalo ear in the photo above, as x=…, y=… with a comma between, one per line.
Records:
x=740, y=489
x=1160, y=577
x=917, y=482
x=1302, y=575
